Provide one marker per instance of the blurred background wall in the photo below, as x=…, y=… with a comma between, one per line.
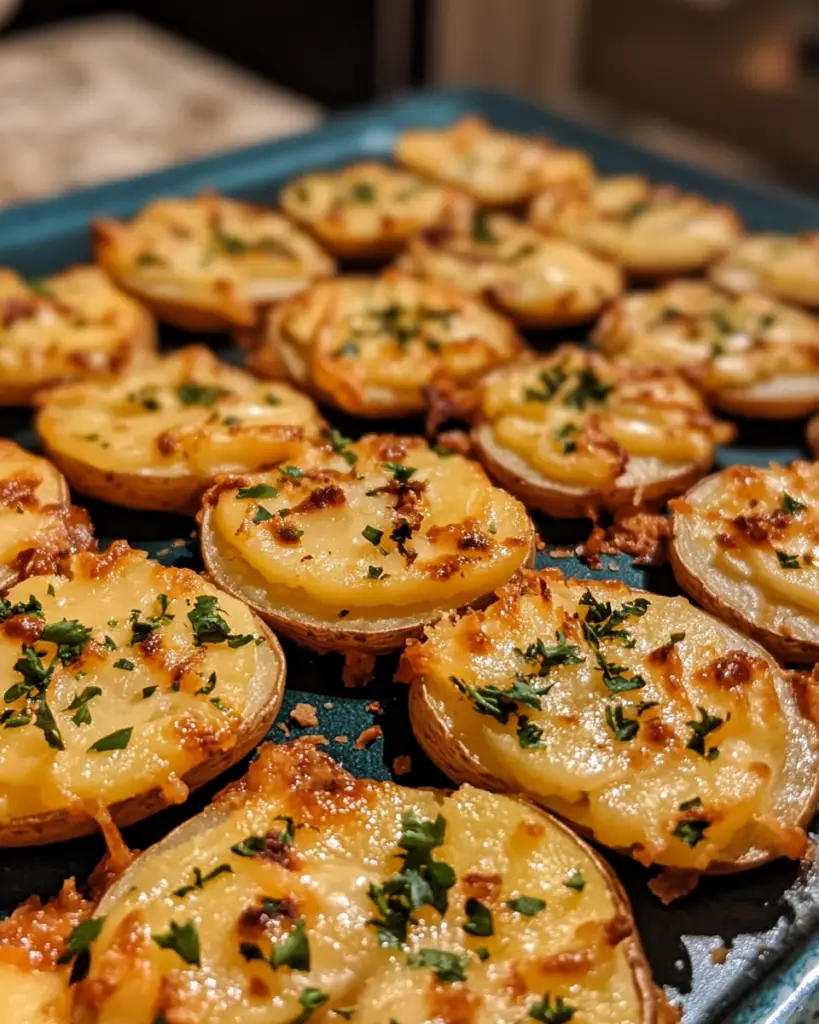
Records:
x=733, y=84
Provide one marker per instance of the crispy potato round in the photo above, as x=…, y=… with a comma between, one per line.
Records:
x=645, y=722
x=209, y=263
x=367, y=210
x=744, y=544
x=74, y=325
x=538, y=281
x=361, y=544
x=749, y=355
x=130, y=684
x=156, y=439
x=648, y=230
x=38, y=524
x=303, y=870
x=373, y=346
x=495, y=168
x=785, y=266
x=572, y=433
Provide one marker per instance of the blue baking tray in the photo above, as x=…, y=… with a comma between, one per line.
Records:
x=768, y=918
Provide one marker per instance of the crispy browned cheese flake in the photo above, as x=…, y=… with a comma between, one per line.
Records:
x=368, y=737
x=304, y=715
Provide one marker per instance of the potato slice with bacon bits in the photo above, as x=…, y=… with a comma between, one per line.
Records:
x=38, y=524
x=648, y=724
x=750, y=355
x=74, y=325
x=362, y=543
x=367, y=210
x=209, y=263
x=303, y=893
x=785, y=266
x=495, y=168
x=157, y=438
x=572, y=433
x=373, y=346
x=744, y=544
x=538, y=281
x=128, y=685
x=649, y=230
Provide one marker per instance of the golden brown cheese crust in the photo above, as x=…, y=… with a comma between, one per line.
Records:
x=209, y=263
x=741, y=351
x=294, y=918
x=157, y=438
x=364, y=538
x=495, y=168
x=74, y=325
x=574, y=432
x=366, y=210
x=374, y=346
x=124, y=678
x=745, y=544
x=650, y=725
x=649, y=230
x=784, y=266
x=538, y=281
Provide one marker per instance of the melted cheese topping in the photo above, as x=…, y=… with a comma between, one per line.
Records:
x=212, y=253
x=649, y=229
x=516, y=266
x=366, y=202
x=580, y=420
x=185, y=414
x=786, y=266
x=182, y=701
x=754, y=534
x=73, y=324
x=328, y=543
x=726, y=342
x=604, y=733
x=369, y=342
x=346, y=836
x=496, y=168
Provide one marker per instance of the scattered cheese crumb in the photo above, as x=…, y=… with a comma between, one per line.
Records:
x=719, y=954
x=374, y=708
x=342, y=739
x=402, y=765
x=305, y=716
x=283, y=728
x=368, y=737
x=672, y=884
x=329, y=705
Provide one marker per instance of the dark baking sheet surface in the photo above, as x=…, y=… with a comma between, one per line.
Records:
x=764, y=916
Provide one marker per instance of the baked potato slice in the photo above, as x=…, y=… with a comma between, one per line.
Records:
x=373, y=346
x=209, y=263
x=129, y=684
x=305, y=893
x=645, y=722
x=651, y=231
x=573, y=433
x=750, y=355
x=743, y=544
x=362, y=543
x=538, y=281
x=74, y=325
x=38, y=524
x=156, y=439
x=493, y=167
x=366, y=210
x=784, y=266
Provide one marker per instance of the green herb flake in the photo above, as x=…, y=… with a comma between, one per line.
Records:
x=478, y=919
x=257, y=491
x=182, y=939
x=125, y=664
x=624, y=729
x=689, y=805
x=190, y=393
x=481, y=229
x=149, y=691
x=261, y=515
x=576, y=881
x=446, y=966
x=691, y=832
x=371, y=534
x=200, y=880
x=292, y=951
x=401, y=474
x=375, y=572
x=787, y=561
x=791, y=506
x=707, y=724
x=526, y=905
x=546, y=1013
x=118, y=740
x=340, y=445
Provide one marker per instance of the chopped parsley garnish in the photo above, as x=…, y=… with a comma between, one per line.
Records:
x=635, y=210
x=400, y=473
x=257, y=491
x=691, y=832
x=149, y=259
x=349, y=348
x=200, y=880
x=362, y=192
x=183, y=939
x=566, y=438
x=604, y=623
x=422, y=881
x=78, y=947
x=546, y=1013
x=36, y=678
x=372, y=535
x=675, y=638
x=374, y=572
x=125, y=664
x=340, y=445
x=249, y=846
x=109, y=643
x=481, y=230
x=529, y=734
x=30, y=607
x=261, y=515
x=551, y=382
x=688, y=805
x=445, y=966
x=787, y=561
x=70, y=636
x=79, y=705
x=576, y=881
x=707, y=724
x=721, y=322
x=208, y=687
x=291, y=472
x=199, y=394
x=546, y=657
x=210, y=626
x=118, y=740
x=141, y=629
x=310, y=999
x=293, y=951
x=478, y=919
x=526, y=905
x=588, y=390
x=271, y=399
x=624, y=729
x=401, y=534
x=502, y=704
x=149, y=691
x=791, y=506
